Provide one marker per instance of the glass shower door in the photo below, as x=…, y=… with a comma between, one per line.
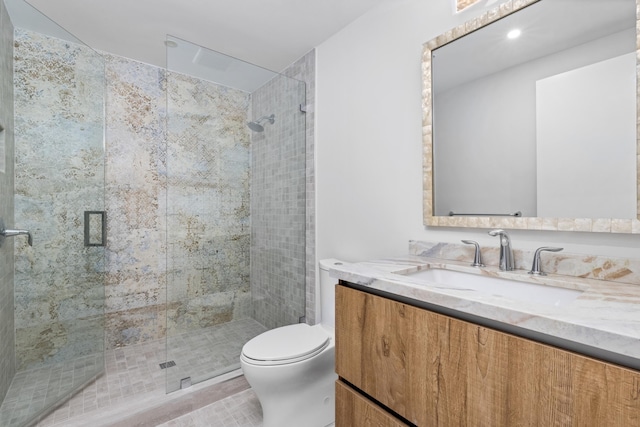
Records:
x=58, y=289
x=235, y=201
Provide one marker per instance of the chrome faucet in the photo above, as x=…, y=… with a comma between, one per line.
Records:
x=477, y=257
x=536, y=268
x=506, y=253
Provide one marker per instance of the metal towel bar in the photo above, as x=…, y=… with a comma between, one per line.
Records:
x=452, y=213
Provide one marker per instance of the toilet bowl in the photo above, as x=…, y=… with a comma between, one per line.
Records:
x=291, y=368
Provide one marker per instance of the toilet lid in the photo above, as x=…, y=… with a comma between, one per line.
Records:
x=287, y=343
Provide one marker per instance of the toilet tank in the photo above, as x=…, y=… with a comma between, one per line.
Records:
x=327, y=292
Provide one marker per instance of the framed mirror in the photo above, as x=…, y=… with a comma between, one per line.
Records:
x=539, y=131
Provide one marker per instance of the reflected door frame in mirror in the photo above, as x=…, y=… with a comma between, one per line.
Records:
x=602, y=225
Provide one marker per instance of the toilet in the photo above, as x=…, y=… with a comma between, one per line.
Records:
x=291, y=369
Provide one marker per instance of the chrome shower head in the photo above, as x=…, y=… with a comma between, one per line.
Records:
x=257, y=126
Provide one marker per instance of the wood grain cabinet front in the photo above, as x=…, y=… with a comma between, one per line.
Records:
x=353, y=409
x=434, y=370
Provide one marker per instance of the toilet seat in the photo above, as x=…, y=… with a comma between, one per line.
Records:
x=287, y=344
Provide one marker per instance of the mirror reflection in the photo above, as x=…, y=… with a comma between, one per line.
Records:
x=540, y=121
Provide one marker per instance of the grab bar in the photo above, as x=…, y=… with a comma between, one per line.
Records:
x=452, y=213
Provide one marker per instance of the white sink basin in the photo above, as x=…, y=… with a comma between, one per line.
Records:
x=512, y=289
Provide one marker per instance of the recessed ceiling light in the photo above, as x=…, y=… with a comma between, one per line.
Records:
x=170, y=43
x=514, y=34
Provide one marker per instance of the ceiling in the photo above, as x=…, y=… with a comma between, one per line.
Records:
x=268, y=33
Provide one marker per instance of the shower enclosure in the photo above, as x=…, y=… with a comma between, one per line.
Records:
x=52, y=184
x=236, y=191
x=205, y=194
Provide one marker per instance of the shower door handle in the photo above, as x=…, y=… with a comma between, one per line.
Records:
x=10, y=233
x=95, y=228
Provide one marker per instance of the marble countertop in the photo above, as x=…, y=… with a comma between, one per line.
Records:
x=605, y=316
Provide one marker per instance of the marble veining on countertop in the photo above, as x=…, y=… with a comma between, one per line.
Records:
x=605, y=316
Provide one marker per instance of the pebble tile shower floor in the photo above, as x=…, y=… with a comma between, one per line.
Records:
x=133, y=379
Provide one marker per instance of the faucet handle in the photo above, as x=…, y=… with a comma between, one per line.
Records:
x=536, y=268
x=477, y=257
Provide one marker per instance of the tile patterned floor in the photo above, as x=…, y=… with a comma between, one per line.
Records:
x=132, y=374
x=34, y=390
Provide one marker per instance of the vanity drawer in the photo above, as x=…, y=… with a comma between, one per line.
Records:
x=355, y=410
x=434, y=370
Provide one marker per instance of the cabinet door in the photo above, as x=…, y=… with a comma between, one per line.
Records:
x=354, y=410
x=438, y=371
x=380, y=350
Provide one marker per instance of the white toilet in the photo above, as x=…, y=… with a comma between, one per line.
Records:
x=292, y=369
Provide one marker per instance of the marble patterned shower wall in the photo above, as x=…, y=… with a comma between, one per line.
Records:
x=59, y=174
x=208, y=172
x=213, y=255
x=194, y=185
x=135, y=298
x=7, y=337
x=191, y=179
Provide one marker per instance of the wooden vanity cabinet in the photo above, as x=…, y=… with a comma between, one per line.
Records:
x=429, y=369
x=353, y=409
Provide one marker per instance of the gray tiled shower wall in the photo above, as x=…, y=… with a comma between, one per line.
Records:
x=278, y=204
x=304, y=70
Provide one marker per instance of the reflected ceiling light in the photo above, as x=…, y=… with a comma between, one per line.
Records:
x=514, y=34
x=170, y=43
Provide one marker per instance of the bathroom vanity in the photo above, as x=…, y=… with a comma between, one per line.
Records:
x=412, y=352
x=428, y=340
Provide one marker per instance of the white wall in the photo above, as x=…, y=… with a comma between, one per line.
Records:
x=369, y=142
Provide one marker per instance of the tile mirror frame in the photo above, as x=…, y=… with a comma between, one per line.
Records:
x=602, y=225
